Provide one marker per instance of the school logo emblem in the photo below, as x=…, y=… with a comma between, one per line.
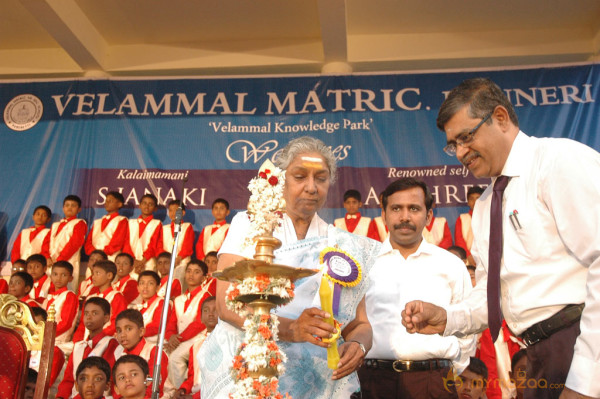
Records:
x=23, y=112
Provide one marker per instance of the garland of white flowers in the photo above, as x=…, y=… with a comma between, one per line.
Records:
x=266, y=202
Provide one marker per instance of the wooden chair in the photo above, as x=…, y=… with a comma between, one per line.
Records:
x=19, y=335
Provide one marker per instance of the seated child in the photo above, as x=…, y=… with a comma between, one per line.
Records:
x=32, y=376
x=151, y=305
x=103, y=274
x=87, y=287
x=65, y=304
x=130, y=376
x=473, y=380
x=125, y=282
x=93, y=378
x=130, y=334
x=437, y=231
x=185, y=247
x=191, y=386
x=96, y=313
x=212, y=236
x=42, y=285
x=163, y=263
x=463, y=234
x=58, y=359
x=187, y=320
x=34, y=239
x=144, y=241
x=211, y=259
x=353, y=222
x=109, y=233
x=67, y=236
x=458, y=251
x=20, y=285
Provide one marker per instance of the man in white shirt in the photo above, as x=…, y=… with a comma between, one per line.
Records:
x=401, y=365
x=550, y=258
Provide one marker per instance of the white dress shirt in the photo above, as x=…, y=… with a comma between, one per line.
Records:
x=431, y=274
x=553, y=258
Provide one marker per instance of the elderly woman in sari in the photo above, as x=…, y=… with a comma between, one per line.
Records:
x=309, y=169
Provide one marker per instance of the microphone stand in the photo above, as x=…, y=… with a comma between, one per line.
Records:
x=165, y=306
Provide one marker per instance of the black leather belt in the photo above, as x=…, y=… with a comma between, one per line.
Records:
x=407, y=365
x=569, y=315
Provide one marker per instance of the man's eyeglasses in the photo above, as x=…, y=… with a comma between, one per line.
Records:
x=465, y=138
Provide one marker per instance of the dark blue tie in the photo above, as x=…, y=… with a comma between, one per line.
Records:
x=495, y=257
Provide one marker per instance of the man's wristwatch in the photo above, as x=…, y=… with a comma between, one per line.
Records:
x=362, y=347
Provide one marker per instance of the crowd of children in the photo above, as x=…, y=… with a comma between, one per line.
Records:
x=108, y=321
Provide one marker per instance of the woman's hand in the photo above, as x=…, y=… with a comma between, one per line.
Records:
x=352, y=357
x=309, y=325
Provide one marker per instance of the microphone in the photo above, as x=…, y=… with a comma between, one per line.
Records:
x=179, y=211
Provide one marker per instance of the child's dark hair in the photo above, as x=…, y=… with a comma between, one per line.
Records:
x=26, y=277
x=72, y=197
x=208, y=300
x=100, y=302
x=461, y=251
x=140, y=361
x=99, y=252
x=125, y=255
x=164, y=255
x=65, y=265
x=150, y=273
x=178, y=203
x=478, y=367
x=132, y=315
x=38, y=258
x=212, y=253
x=45, y=209
x=152, y=197
x=37, y=311
x=200, y=263
x=475, y=190
x=32, y=375
x=108, y=266
x=94, y=361
x=352, y=194
x=116, y=195
x=516, y=357
x=220, y=201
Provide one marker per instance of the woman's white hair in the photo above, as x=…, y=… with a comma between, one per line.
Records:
x=303, y=145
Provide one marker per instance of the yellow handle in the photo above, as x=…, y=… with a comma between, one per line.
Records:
x=326, y=294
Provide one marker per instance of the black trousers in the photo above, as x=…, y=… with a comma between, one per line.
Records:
x=389, y=384
x=548, y=364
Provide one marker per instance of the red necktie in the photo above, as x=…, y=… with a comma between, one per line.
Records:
x=87, y=350
x=495, y=258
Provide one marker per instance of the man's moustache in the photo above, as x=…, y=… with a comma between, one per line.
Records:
x=405, y=226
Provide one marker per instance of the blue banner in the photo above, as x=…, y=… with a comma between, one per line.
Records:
x=88, y=137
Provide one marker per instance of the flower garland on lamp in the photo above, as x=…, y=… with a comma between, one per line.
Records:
x=257, y=287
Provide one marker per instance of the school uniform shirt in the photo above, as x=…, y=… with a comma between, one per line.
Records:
x=41, y=289
x=128, y=286
x=66, y=305
x=101, y=345
x=211, y=238
x=146, y=351
x=186, y=240
x=117, y=304
x=175, y=287
x=144, y=238
x=192, y=384
x=152, y=311
x=66, y=239
x=463, y=234
x=438, y=233
x=551, y=254
x=30, y=241
x=31, y=302
x=188, y=311
x=431, y=274
x=378, y=231
x=87, y=287
x=355, y=224
x=109, y=234
x=3, y=286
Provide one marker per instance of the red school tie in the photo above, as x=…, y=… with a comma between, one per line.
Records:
x=495, y=258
